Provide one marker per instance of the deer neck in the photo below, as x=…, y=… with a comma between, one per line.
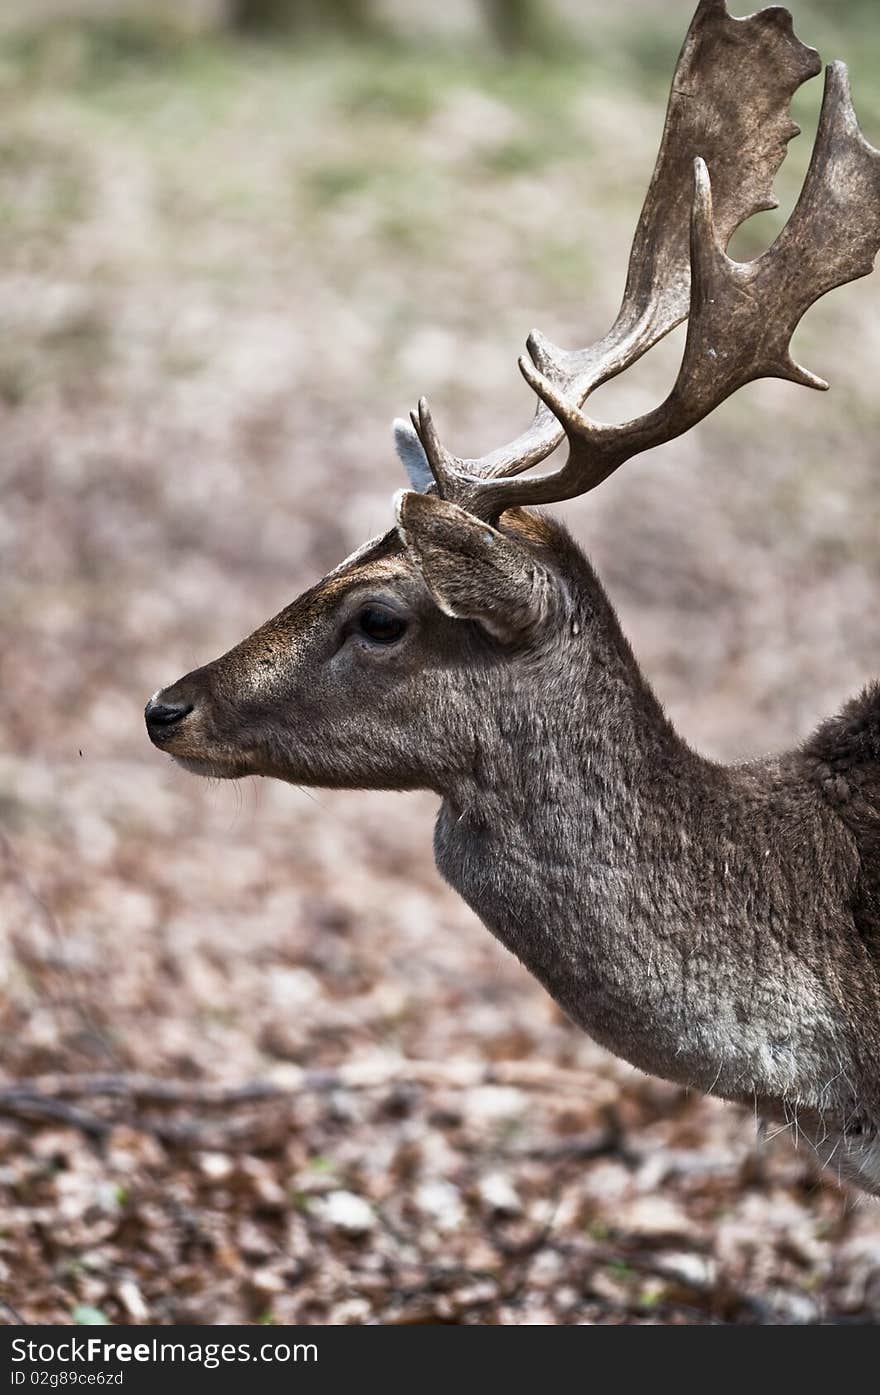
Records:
x=650, y=890
x=566, y=814
x=575, y=838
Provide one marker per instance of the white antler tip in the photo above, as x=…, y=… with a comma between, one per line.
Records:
x=426, y=420
x=704, y=238
x=702, y=182
x=811, y=380
x=533, y=374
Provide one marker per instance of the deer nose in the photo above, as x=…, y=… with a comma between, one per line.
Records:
x=159, y=716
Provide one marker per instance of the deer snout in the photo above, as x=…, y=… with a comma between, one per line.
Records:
x=162, y=714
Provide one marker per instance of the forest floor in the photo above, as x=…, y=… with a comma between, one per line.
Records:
x=223, y=269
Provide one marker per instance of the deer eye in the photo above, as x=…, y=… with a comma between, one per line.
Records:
x=380, y=625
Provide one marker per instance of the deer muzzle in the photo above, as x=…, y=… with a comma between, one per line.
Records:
x=163, y=717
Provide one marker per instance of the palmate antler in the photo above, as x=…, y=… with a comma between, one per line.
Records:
x=726, y=132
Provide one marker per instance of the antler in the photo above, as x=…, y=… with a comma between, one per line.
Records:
x=743, y=314
x=729, y=107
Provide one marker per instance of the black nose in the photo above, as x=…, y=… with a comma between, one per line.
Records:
x=165, y=714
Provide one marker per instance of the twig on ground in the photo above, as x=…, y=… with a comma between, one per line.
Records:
x=14, y=1315
x=145, y=1089
x=46, y=1097
x=24, y=1104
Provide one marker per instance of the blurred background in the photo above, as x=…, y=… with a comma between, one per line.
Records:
x=236, y=239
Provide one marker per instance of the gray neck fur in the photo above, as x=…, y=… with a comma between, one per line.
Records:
x=677, y=910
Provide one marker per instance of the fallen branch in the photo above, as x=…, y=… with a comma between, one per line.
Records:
x=38, y=1108
x=45, y=1096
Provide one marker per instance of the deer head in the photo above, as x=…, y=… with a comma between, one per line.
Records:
x=385, y=673
x=373, y=677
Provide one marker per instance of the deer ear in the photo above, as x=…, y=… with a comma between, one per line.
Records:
x=472, y=571
x=411, y=455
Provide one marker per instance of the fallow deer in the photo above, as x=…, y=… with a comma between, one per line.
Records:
x=715, y=925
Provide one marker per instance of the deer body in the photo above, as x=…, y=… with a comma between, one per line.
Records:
x=716, y=925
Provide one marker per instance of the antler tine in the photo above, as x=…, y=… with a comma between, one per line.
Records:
x=441, y=462
x=743, y=314
x=729, y=102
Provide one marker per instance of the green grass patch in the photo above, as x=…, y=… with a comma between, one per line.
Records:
x=43, y=183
